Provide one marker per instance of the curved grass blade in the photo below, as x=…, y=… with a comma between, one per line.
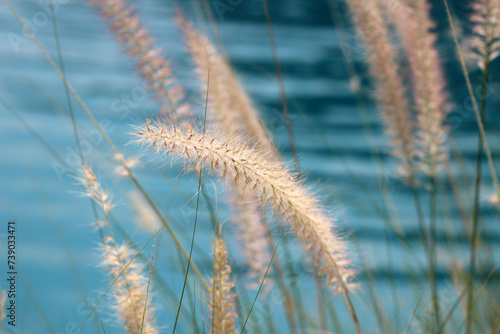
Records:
x=395, y=315
x=261, y=284
x=415, y=310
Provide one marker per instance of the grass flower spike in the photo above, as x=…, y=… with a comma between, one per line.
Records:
x=390, y=90
x=154, y=68
x=129, y=291
x=252, y=234
x=266, y=181
x=428, y=87
x=486, y=30
x=221, y=305
x=94, y=190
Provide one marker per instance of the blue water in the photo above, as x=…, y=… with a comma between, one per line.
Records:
x=57, y=247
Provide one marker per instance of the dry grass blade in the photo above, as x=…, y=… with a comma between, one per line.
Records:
x=415, y=310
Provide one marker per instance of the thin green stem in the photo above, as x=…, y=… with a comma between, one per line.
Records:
x=260, y=287
x=147, y=288
x=281, y=86
x=279, y=274
x=432, y=249
x=474, y=103
x=196, y=214
x=477, y=195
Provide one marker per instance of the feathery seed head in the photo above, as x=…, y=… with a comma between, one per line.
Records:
x=486, y=30
x=428, y=86
x=93, y=189
x=221, y=297
x=390, y=91
x=248, y=218
x=266, y=181
x=129, y=291
x=154, y=68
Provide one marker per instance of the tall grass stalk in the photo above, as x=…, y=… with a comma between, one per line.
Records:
x=477, y=114
x=486, y=35
x=281, y=86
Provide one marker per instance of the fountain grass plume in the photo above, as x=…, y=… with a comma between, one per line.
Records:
x=266, y=181
x=130, y=290
x=221, y=297
x=428, y=87
x=154, y=68
x=414, y=27
x=390, y=91
x=94, y=190
x=247, y=217
x=486, y=31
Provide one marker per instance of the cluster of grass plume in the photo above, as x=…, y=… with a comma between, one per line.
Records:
x=259, y=185
x=131, y=288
